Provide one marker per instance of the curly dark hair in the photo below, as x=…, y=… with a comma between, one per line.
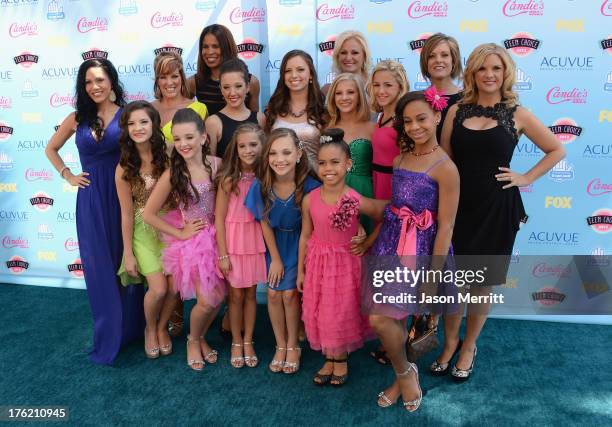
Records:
x=404, y=142
x=230, y=166
x=266, y=174
x=279, y=101
x=130, y=160
x=86, y=109
x=183, y=189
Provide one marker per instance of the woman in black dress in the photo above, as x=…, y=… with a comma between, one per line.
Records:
x=480, y=134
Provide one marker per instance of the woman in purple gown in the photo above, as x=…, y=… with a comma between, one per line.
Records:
x=117, y=311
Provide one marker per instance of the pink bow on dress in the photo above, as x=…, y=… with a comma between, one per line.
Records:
x=408, y=235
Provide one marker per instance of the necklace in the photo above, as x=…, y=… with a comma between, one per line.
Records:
x=298, y=114
x=425, y=153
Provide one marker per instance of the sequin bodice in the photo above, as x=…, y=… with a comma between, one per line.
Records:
x=141, y=194
x=205, y=208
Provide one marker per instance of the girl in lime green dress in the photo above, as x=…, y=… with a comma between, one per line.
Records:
x=348, y=110
x=143, y=160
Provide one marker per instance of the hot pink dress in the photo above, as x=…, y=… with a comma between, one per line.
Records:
x=384, y=150
x=193, y=262
x=244, y=239
x=331, y=298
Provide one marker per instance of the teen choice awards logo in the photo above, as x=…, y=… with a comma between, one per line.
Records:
x=566, y=130
x=606, y=44
x=522, y=44
x=249, y=48
x=548, y=296
x=41, y=201
x=327, y=46
x=5, y=131
x=417, y=44
x=26, y=60
x=76, y=268
x=601, y=221
x=17, y=264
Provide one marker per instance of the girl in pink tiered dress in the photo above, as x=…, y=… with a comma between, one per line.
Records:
x=328, y=273
x=240, y=239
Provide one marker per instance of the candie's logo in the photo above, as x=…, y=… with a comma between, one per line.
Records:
x=76, y=268
x=5, y=131
x=606, y=8
x=17, y=264
x=430, y=8
x=543, y=269
x=548, y=296
x=522, y=44
x=255, y=14
x=137, y=96
x=597, y=188
x=9, y=242
x=512, y=8
x=556, y=95
x=85, y=25
x=417, y=44
x=71, y=244
x=566, y=130
x=249, y=48
x=160, y=20
x=23, y=29
x=325, y=12
x=601, y=220
x=26, y=59
x=41, y=201
x=327, y=46
x=56, y=100
x=38, y=175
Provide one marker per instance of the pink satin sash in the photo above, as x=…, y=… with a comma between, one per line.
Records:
x=410, y=223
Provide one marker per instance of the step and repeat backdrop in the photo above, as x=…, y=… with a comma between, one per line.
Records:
x=562, y=48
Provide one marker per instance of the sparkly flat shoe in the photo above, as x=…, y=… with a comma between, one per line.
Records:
x=440, y=369
x=195, y=364
x=277, y=366
x=462, y=375
x=322, y=379
x=340, y=380
x=237, y=361
x=250, y=361
x=292, y=367
x=416, y=402
x=166, y=350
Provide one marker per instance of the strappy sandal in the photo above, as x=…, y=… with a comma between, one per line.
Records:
x=212, y=356
x=152, y=353
x=166, y=350
x=416, y=402
x=384, y=401
x=293, y=367
x=275, y=365
x=192, y=362
x=250, y=361
x=237, y=361
x=340, y=380
x=322, y=379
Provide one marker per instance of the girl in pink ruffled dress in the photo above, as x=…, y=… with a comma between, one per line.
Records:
x=328, y=273
x=240, y=239
x=190, y=253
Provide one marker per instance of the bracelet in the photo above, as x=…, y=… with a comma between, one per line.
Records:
x=222, y=257
x=62, y=171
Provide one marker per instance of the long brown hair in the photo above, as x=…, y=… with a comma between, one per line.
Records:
x=227, y=44
x=167, y=63
x=230, y=167
x=279, y=101
x=183, y=189
x=130, y=159
x=266, y=174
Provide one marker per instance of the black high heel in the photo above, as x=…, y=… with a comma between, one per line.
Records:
x=462, y=375
x=438, y=369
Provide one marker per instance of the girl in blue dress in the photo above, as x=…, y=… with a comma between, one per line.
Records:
x=275, y=200
x=117, y=311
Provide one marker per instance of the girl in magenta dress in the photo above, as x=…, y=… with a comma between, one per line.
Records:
x=190, y=254
x=386, y=86
x=328, y=273
x=240, y=240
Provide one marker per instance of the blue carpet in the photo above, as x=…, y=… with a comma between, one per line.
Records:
x=526, y=373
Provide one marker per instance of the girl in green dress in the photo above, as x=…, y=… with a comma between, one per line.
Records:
x=348, y=110
x=143, y=159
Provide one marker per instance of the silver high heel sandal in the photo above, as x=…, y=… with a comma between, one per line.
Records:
x=250, y=361
x=462, y=375
x=192, y=362
x=416, y=402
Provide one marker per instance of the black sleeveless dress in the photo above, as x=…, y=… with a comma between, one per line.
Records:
x=229, y=127
x=488, y=216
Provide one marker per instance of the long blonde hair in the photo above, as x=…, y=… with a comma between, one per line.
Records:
x=367, y=56
x=363, y=113
x=398, y=71
x=475, y=61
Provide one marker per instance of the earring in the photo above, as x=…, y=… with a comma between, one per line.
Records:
x=310, y=81
x=298, y=161
x=112, y=97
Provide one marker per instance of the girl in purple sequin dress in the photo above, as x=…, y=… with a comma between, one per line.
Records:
x=418, y=222
x=190, y=254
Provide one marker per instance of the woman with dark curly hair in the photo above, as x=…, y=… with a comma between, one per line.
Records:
x=143, y=160
x=116, y=310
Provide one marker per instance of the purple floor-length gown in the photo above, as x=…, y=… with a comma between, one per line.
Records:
x=117, y=311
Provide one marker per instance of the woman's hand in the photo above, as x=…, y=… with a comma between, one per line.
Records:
x=130, y=264
x=191, y=229
x=225, y=265
x=514, y=179
x=275, y=273
x=357, y=242
x=79, y=180
x=300, y=281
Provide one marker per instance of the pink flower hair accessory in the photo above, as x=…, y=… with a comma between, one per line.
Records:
x=347, y=208
x=436, y=98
